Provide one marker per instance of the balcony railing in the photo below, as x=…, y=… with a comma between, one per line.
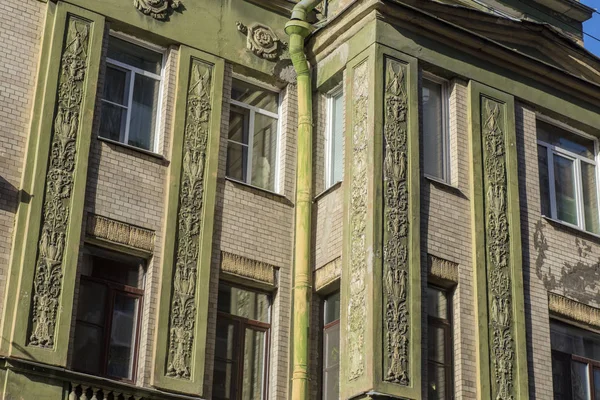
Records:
x=79, y=386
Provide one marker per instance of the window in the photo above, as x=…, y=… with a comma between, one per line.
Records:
x=331, y=347
x=567, y=169
x=435, y=128
x=108, y=315
x=439, y=344
x=242, y=348
x=575, y=362
x=131, y=96
x=334, y=163
x=253, y=139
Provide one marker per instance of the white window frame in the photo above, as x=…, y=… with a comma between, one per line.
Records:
x=445, y=85
x=577, y=160
x=131, y=72
x=253, y=111
x=331, y=96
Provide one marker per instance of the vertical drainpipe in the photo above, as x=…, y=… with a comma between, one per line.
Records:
x=298, y=29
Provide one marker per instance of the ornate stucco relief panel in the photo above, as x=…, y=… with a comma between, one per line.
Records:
x=99, y=227
x=357, y=308
x=573, y=310
x=262, y=41
x=328, y=274
x=182, y=311
x=157, y=9
x=442, y=269
x=58, y=195
x=395, y=278
x=247, y=268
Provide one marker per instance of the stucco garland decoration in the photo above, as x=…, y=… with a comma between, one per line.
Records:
x=395, y=247
x=357, y=312
x=120, y=232
x=157, y=9
x=262, y=41
x=47, y=283
x=498, y=257
x=189, y=222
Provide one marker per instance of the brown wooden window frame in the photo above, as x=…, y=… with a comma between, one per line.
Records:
x=113, y=289
x=447, y=326
x=241, y=324
x=593, y=365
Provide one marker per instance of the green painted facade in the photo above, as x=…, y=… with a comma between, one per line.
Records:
x=378, y=51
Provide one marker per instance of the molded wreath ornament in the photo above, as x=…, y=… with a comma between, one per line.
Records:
x=262, y=41
x=158, y=9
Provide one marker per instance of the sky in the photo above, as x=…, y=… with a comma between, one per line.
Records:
x=592, y=27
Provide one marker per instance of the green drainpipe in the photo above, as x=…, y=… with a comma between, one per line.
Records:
x=298, y=29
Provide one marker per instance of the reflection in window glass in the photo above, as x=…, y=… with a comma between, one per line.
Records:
x=564, y=184
x=335, y=138
x=439, y=344
x=331, y=347
x=435, y=129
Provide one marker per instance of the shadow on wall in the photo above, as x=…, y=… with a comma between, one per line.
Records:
x=9, y=196
x=579, y=279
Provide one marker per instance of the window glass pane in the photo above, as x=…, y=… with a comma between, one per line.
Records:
x=437, y=303
x=122, y=337
x=136, y=56
x=254, y=96
x=561, y=371
x=436, y=345
x=92, y=302
x=237, y=159
x=544, y=180
x=116, y=85
x=572, y=340
x=331, y=362
x=590, y=197
x=564, y=183
x=433, y=131
x=88, y=349
x=332, y=308
x=113, y=120
x=580, y=381
x=243, y=303
x=436, y=388
x=564, y=139
x=264, y=152
x=144, y=110
x=254, y=365
x=238, y=124
x=226, y=352
x=597, y=383
x=337, y=139
x=127, y=273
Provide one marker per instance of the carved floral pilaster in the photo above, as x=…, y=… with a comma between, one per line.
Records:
x=395, y=242
x=500, y=306
x=48, y=276
x=187, y=244
x=357, y=312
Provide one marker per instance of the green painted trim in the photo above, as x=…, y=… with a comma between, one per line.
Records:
x=413, y=389
x=486, y=384
x=31, y=230
x=463, y=64
x=118, y=247
x=25, y=200
x=195, y=384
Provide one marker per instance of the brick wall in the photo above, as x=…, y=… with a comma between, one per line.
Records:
x=21, y=30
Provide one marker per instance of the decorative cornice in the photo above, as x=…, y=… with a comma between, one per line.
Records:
x=442, y=269
x=103, y=228
x=328, y=274
x=573, y=310
x=247, y=268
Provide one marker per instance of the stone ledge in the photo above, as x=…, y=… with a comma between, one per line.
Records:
x=328, y=274
x=573, y=310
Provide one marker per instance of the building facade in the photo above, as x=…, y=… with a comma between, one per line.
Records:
x=169, y=166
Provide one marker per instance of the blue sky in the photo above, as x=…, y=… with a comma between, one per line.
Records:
x=592, y=27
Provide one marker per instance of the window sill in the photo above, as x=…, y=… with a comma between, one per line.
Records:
x=443, y=185
x=260, y=191
x=330, y=189
x=130, y=147
x=573, y=228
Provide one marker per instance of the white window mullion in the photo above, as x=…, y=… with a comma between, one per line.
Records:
x=129, y=107
x=579, y=194
x=250, y=147
x=551, y=186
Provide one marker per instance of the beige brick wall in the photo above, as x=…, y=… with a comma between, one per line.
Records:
x=21, y=30
x=446, y=233
x=129, y=185
x=258, y=225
